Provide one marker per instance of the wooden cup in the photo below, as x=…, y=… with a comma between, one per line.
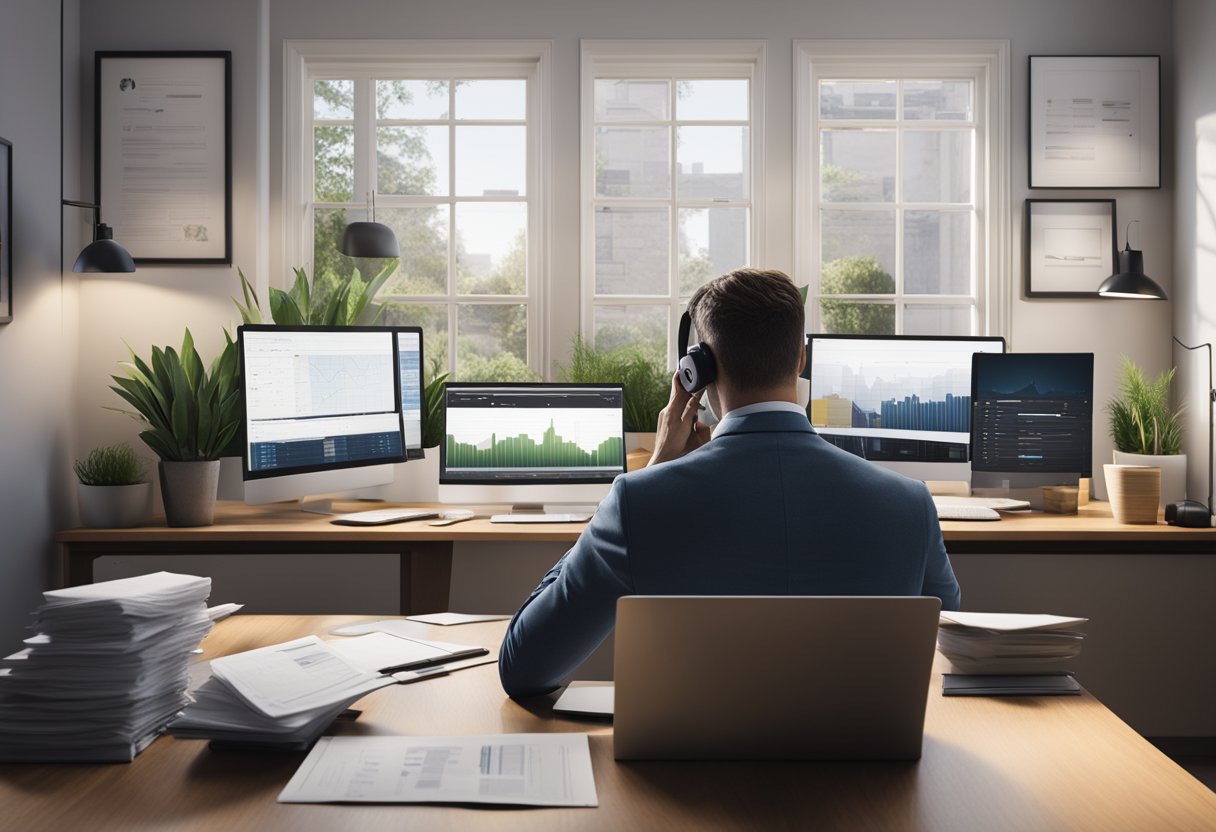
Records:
x=1060, y=499
x=1134, y=492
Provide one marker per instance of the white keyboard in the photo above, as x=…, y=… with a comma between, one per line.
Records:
x=383, y=516
x=540, y=518
x=963, y=511
x=998, y=503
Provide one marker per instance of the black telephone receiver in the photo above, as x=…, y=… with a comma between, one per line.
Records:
x=697, y=368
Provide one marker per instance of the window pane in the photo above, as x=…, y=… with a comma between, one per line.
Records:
x=857, y=166
x=333, y=99
x=713, y=241
x=937, y=100
x=492, y=99
x=838, y=317
x=632, y=161
x=492, y=343
x=334, y=163
x=712, y=100
x=412, y=160
x=937, y=166
x=937, y=252
x=849, y=235
x=412, y=99
x=712, y=162
x=937, y=319
x=857, y=99
x=433, y=318
x=422, y=233
x=643, y=327
x=328, y=225
x=617, y=100
x=491, y=248
x=632, y=247
x=491, y=161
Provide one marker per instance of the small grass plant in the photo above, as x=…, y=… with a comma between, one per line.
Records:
x=1141, y=418
x=111, y=465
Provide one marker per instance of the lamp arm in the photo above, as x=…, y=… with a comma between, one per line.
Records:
x=1211, y=412
x=96, y=212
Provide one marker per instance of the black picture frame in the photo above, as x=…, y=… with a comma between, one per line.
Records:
x=6, y=231
x=1087, y=72
x=1039, y=279
x=182, y=71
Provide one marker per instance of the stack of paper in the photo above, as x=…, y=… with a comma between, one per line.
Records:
x=284, y=695
x=999, y=644
x=106, y=671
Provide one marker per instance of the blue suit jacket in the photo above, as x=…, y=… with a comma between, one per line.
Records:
x=766, y=508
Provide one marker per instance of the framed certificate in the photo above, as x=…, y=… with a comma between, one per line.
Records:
x=1095, y=121
x=163, y=160
x=1069, y=246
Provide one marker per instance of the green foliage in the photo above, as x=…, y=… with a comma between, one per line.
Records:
x=1141, y=419
x=856, y=276
x=191, y=414
x=646, y=380
x=502, y=366
x=433, y=416
x=332, y=302
x=111, y=465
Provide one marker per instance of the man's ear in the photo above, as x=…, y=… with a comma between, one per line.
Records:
x=802, y=361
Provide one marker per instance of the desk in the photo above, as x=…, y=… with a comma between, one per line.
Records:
x=1033, y=763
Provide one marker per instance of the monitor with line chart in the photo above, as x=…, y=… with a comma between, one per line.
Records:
x=531, y=443
x=327, y=409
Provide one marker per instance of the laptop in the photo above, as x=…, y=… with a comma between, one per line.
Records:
x=772, y=678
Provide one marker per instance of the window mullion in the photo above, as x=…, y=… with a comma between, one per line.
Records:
x=452, y=231
x=365, y=140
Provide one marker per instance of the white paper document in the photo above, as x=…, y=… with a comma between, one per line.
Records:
x=514, y=769
x=1010, y=622
x=587, y=699
x=447, y=619
x=382, y=653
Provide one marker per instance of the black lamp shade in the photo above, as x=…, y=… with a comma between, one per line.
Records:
x=369, y=239
x=1130, y=281
x=104, y=255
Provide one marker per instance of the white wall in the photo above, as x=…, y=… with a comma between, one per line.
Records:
x=152, y=305
x=36, y=349
x=1195, y=225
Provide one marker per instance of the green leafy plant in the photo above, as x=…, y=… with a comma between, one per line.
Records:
x=856, y=276
x=433, y=422
x=1141, y=418
x=111, y=465
x=647, y=382
x=190, y=413
x=332, y=301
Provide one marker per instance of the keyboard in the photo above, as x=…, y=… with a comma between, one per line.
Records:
x=383, y=516
x=540, y=518
x=998, y=503
x=964, y=511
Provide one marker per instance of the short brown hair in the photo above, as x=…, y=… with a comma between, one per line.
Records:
x=754, y=323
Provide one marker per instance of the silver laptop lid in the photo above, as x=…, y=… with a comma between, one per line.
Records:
x=790, y=677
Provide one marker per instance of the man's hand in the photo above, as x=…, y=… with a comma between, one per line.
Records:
x=679, y=430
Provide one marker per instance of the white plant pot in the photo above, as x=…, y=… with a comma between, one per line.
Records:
x=114, y=506
x=1173, y=472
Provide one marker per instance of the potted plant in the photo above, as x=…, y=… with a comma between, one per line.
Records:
x=190, y=414
x=114, y=491
x=647, y=384
x=1147, y=430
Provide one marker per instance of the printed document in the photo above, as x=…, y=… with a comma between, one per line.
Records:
x=515, y=769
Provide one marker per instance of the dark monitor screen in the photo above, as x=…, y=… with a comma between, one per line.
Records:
x=1032, y=412
x=894, y=398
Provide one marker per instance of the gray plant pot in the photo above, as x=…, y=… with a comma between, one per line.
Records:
x=188, y=490
x=114, y=506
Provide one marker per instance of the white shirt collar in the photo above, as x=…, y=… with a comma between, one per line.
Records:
x=764, y=407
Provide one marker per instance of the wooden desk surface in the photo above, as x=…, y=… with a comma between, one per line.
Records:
x=1032, y=763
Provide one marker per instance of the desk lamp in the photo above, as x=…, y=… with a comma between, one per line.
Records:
x=369, y=239
x=103, y=254
x=1192, y=513
x=1130, y=281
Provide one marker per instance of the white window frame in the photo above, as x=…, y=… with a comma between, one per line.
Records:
x=648, y=59
x=306, y=61
x=986, y=64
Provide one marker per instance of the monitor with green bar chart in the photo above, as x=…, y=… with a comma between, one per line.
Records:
x=535, y=443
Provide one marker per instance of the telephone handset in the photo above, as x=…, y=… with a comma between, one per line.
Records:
x=697, y=368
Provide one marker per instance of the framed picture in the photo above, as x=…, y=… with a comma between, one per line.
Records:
x=1095, y=121
x=163, y=160
x=6, y=231
x=1069, y=246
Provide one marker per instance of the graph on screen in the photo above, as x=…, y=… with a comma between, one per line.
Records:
x=548, y=438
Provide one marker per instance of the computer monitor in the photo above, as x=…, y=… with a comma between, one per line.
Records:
x=327, y=409
x=899, y=401
x=1032, y=420
x=531, y=444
